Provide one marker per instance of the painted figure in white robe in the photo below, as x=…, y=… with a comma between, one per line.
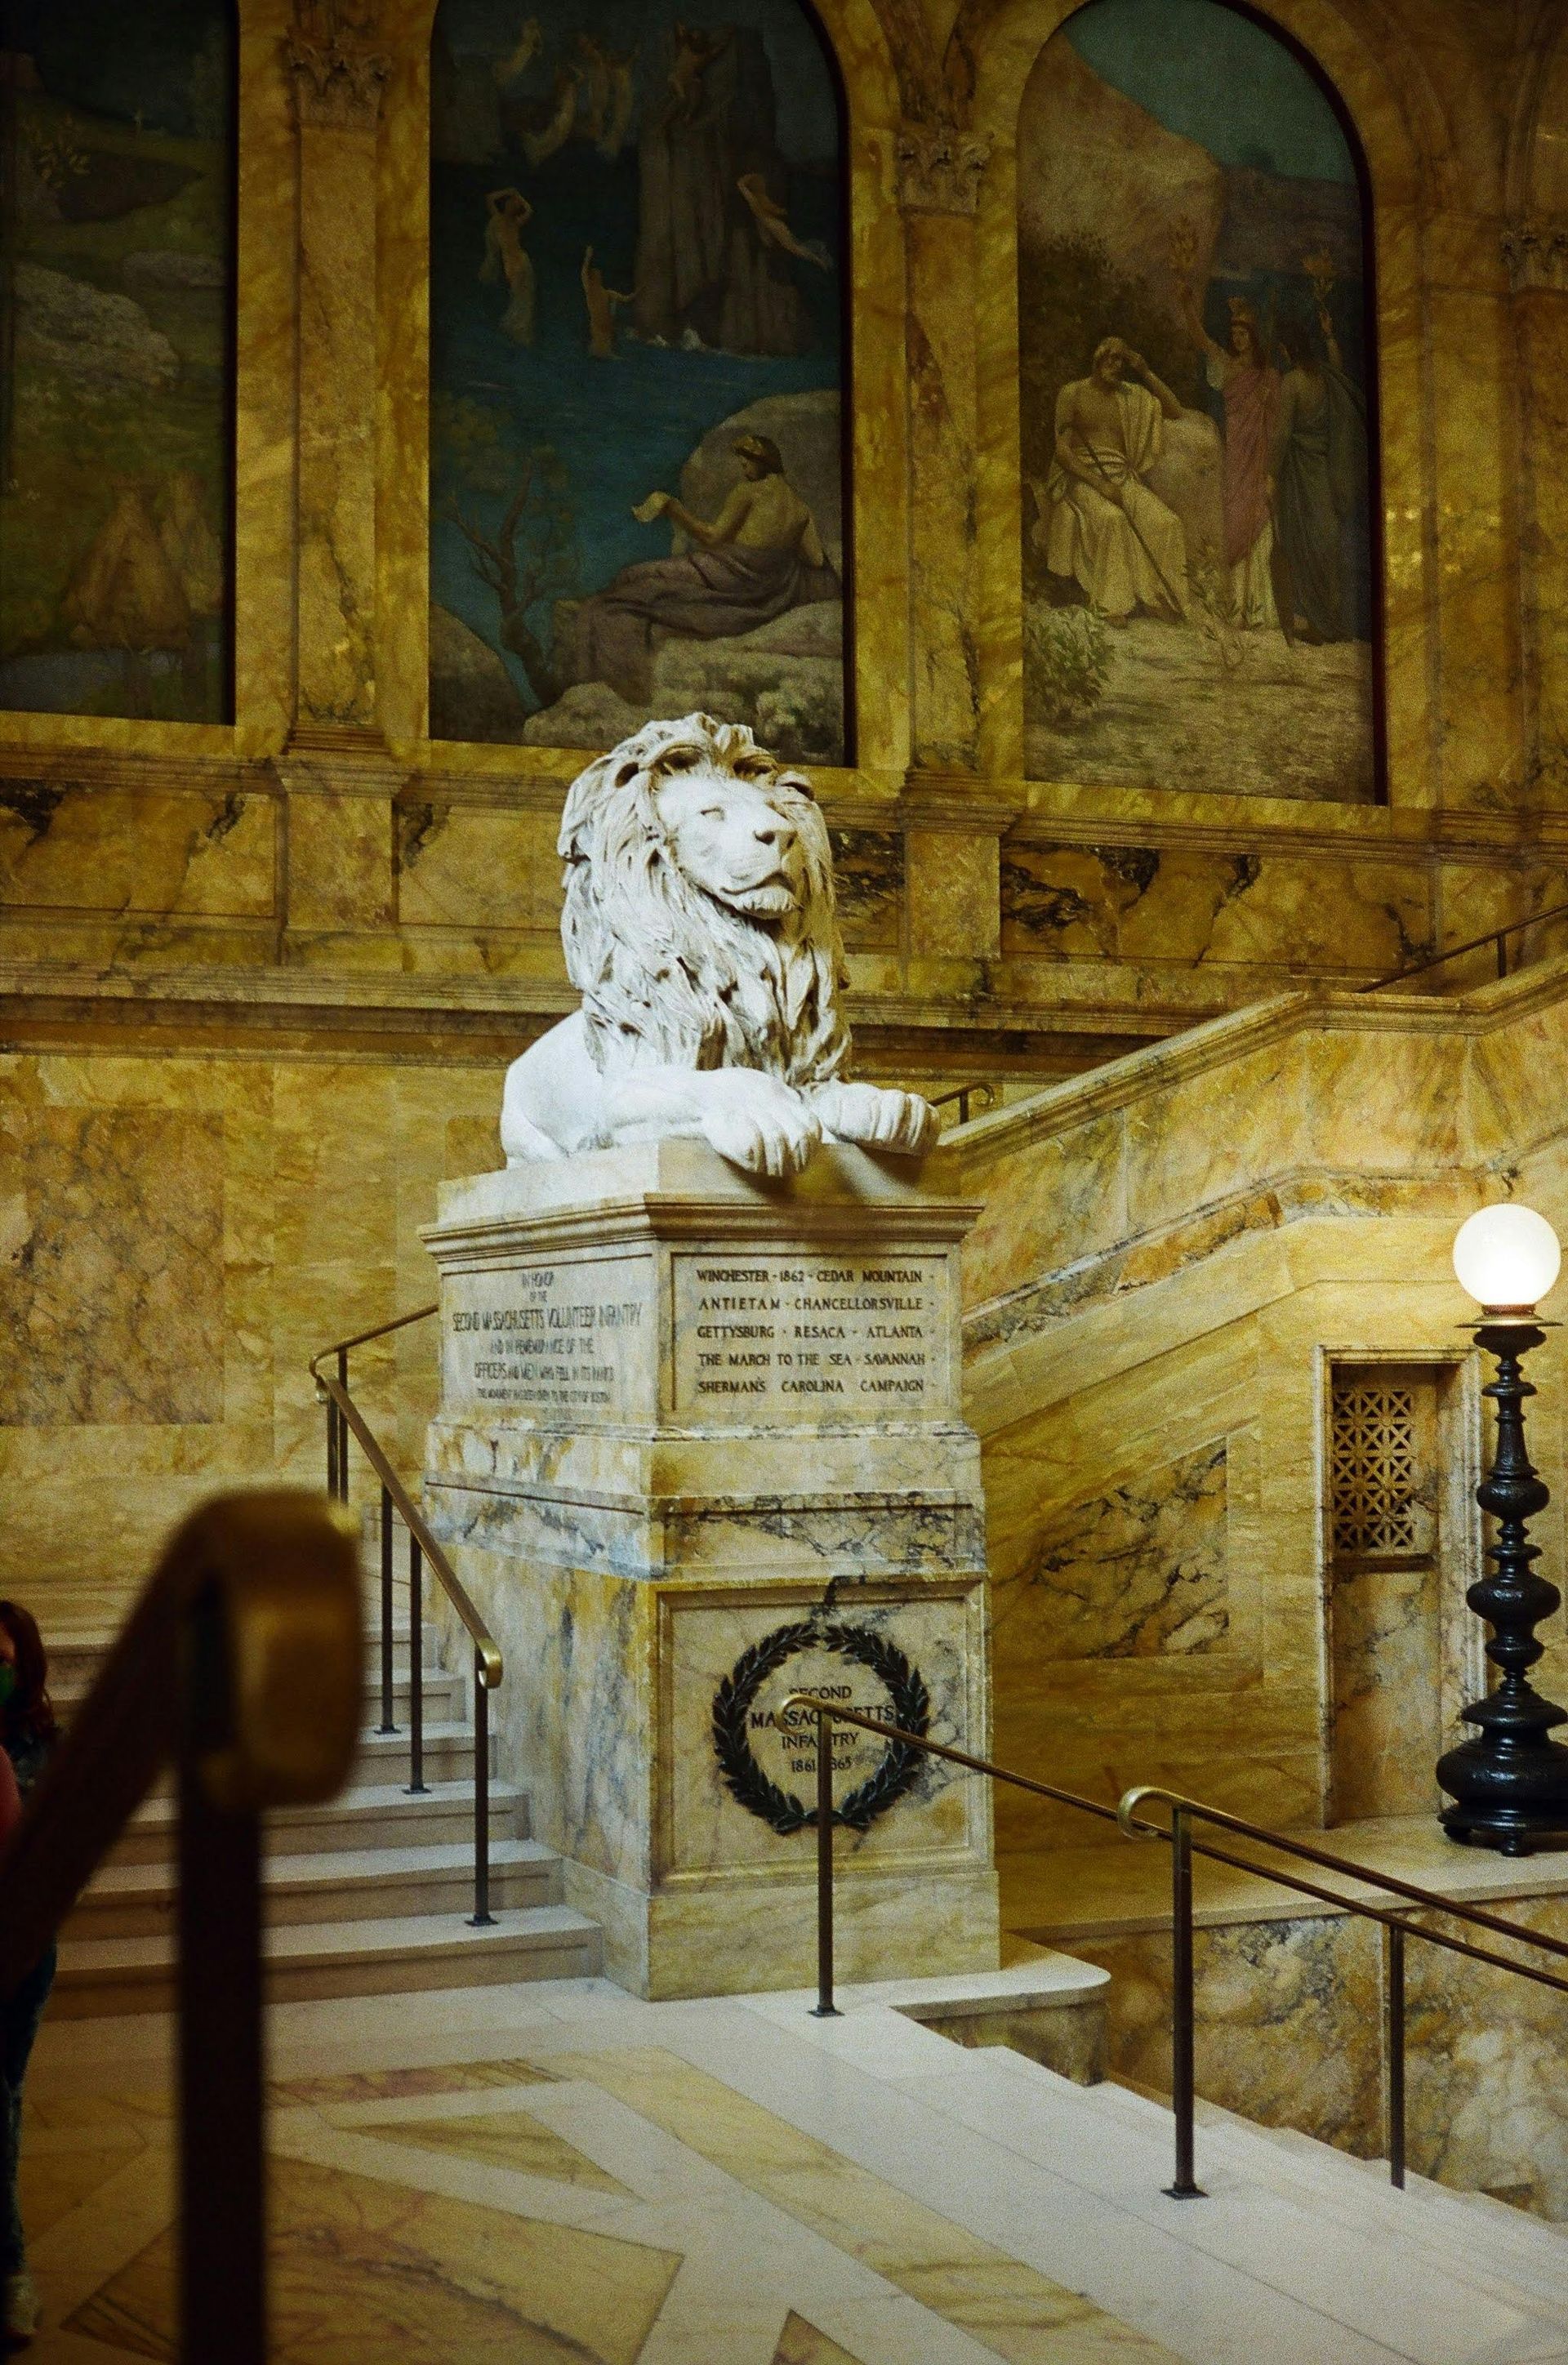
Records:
x=1115, y=538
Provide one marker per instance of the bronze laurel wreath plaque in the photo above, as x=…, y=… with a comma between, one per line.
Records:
x=911, y=1708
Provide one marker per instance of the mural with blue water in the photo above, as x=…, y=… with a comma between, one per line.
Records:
x=636, y=460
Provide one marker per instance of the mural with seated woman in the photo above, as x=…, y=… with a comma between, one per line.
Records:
x=636, y=452
x=117, y=170
x=1198, y=554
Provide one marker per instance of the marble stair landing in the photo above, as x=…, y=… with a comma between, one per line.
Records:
x=563, y=2170
x=1290, y=1998
x=1121, y=1888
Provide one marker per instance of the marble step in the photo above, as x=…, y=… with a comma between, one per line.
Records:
x=1357, y=2192
x=448, y=1751
x=308, y=1961
x=365, y=1815
x=1451, y=2223
x=138, y=1900
x=446, y=1689
x=1375, y=2268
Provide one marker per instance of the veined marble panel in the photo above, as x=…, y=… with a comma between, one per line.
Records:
x=868, y=877
x=111, y=1223
x=1136, y=1573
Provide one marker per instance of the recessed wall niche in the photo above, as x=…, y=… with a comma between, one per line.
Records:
x=1400, y=1543
x=1196, y=364
x=116, y=210
x=637, y=251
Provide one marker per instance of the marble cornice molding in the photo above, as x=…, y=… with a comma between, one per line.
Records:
x=337, y=75
x=1536, y=253
x=953, y=800
x=1357, y=833
x=84, y=771
x=940, y=168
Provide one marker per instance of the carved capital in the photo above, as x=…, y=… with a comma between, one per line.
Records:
x=337, y=75
x=940, y=168
x=1537, y=254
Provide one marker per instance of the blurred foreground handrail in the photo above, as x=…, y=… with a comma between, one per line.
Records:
x=241, y=1665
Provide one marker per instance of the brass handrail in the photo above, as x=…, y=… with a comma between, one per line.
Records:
x=1184, y=1846
x=242, y=1664
x=1497, y=937
x=364, y=1338
x=486, y=1648
x=963, y=1094
x=344, y=1420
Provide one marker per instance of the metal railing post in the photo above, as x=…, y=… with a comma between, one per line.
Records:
x=1393, y=2041
x=332, y=1446
x=1182, y=2048
x=387, y=1723
x=824, y=2008
x=222, y=2244
x=417, y=1782
x=481, y=1917
x=342, y=1429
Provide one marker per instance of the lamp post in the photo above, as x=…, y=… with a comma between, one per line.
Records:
x=1509, y=1785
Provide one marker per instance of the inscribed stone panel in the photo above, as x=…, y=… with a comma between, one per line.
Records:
x=111, y=1238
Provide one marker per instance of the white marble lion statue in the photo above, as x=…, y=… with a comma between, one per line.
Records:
x=699, y=928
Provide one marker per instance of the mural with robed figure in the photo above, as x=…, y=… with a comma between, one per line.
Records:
x=1198, y=554
x=116, y=170
x=637, y=473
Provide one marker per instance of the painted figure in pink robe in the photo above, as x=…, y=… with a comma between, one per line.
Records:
x=1250, y=386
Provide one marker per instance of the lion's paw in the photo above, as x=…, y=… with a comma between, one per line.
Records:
x=876, y=1118
x=758, y=1123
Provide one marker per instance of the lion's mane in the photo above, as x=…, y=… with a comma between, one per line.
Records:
x=668, y=976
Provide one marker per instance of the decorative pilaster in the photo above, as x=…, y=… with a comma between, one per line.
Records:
x=1536, y=254
x=940, y=170
x=337, y=76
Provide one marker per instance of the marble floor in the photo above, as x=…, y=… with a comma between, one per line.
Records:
x=559, y=2172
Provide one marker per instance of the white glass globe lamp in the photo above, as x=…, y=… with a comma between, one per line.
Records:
x=1506, y=1258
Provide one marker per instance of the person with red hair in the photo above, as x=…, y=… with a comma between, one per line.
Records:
x=27, y=1734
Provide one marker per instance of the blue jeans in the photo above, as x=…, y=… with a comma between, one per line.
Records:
x=18, y=2026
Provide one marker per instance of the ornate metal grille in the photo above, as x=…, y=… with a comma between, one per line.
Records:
x=1374, y=1468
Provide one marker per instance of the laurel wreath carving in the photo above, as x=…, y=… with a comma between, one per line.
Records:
x=890, y=1779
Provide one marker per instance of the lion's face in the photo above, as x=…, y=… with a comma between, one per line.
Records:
x=734, y=840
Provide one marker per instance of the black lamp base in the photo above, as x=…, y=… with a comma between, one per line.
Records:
x=1509, y=1785
x=1511, y=1799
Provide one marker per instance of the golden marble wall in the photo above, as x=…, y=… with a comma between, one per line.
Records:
x=1172, y=1254
x=1020, y=926
x=182, y=1230
x=261, y=982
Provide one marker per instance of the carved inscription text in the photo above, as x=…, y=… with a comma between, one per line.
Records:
x=787, y=1338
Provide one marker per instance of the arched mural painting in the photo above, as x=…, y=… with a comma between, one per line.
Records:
x=1198, y=559
x=116, y=175
x=636, y=477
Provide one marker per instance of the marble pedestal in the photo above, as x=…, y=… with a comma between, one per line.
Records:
x=699, y=1446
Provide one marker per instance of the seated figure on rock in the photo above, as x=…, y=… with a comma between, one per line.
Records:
x=761, y=556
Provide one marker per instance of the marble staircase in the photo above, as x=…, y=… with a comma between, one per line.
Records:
x=368, y=1894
